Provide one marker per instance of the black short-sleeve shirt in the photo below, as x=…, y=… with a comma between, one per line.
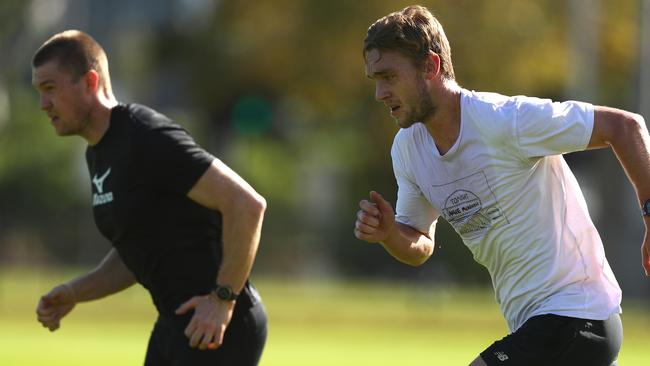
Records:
x=141, y=171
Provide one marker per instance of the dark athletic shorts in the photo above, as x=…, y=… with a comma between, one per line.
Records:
x=553, y=340
x=242, y=346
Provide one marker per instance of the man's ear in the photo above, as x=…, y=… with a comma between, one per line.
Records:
x=91, y=80
x=432, y=65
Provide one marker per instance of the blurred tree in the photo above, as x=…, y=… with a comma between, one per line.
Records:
x=277, y=90
x=44, y=214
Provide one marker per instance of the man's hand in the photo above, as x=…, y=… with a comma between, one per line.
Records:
x=54, y=305
x=375, y=220
x=210, y=320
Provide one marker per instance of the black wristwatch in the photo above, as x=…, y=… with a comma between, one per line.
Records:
x=224, y=293
x=646, y=208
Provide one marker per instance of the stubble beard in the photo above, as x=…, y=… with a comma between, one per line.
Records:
x=76, y=125
x=424, y=109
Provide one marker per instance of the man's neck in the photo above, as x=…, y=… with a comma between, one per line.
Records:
x=444, y=125
x=99, y=120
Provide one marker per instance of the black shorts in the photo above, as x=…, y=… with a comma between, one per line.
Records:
x=242, y=345
x=553, y=340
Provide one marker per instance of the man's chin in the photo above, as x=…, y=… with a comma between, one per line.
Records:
x=63, y=133
x=402, y=123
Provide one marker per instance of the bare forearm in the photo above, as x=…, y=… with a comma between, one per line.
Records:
x=110, y=276
x=627, y=135
x=633, y=151
x=242, y=210
x=408, y=245
x=241, y=237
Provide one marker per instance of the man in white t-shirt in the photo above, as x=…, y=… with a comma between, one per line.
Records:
x=492, y=166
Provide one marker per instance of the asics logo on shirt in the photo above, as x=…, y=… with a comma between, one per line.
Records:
x=100, y=197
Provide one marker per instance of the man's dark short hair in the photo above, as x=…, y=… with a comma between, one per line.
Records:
x=76, y=53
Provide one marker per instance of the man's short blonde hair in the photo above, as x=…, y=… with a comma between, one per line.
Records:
x=413, y=32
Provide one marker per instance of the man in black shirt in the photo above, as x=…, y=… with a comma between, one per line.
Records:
x=182, y=223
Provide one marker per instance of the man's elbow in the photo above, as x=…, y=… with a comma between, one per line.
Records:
x=616, y=128
x=416, y=262
x=255, y=204
x=419, y=260
x=639, y=118
x=634, y=124
x=260, y=204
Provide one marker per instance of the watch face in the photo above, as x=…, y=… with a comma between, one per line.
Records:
x=224, y=293
x=646, y=208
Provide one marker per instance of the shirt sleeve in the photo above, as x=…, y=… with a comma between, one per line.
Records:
x=172, y=159
x=412, y=208
x=547, y=128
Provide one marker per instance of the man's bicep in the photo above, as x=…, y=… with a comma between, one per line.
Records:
x=218, y=188
x=607, y=125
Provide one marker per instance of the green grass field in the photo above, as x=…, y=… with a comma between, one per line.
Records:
x=310, y=323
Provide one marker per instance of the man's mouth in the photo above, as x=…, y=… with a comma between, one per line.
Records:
x=394, y=109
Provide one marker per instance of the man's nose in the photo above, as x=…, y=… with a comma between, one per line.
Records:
x=381, y=92
x=45, y=102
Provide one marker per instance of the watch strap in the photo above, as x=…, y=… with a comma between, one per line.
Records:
x=223, y=293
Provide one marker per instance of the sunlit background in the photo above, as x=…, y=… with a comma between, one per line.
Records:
x=276, y=89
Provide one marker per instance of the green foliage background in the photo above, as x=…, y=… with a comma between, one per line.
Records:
x=276, y=89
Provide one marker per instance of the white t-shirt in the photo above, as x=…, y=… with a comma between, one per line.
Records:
x=510, y=195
